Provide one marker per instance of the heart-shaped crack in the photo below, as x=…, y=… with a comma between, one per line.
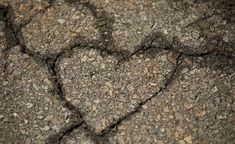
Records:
x=106, y=89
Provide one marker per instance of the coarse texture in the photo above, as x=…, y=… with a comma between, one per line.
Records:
x=204, y=26
x=194, y=24
x=25, y=9
x=108, y=71
x=59, y=26
x=135, y=19
x=197, y=108
x=104, y=90
x=77, y=136
x=2, y=46
x=29, y=112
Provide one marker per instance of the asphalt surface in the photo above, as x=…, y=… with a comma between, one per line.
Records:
x=117, y=71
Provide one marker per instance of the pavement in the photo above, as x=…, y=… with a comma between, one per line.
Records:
x=117, y=71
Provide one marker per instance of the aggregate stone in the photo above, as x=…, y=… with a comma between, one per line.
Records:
x=77, y=136
x=203, y=27
x=58, y=27
x=2, y=45
x=135, y=19
x=197, y=108
x=105, y=90
x=29, y=112
x=25, y=9
x=178, y=20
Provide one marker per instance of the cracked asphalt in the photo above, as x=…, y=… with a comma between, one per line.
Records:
x=117, y=71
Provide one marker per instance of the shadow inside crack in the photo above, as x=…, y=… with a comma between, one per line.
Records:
x=217, y=59
x=3, y=12
x=225, y=8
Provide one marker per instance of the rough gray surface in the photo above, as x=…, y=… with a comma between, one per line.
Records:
x=105, y=89
x=108, y=71
x=24, y=10
x=197, y=108
x=77, y=136
x=134, y=20
x=29, y=111
x=2, y=45
x=58, y=27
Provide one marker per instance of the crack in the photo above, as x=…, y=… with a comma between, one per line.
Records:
x=93, y=136
x=106, y=47
x=204, y=17
x=13, y=33
x=42, y=11
x=14, y=37
x=138, y=107
x=215, y=59
x=104, y=23
x=57, y=138
x=158, y=41
x=53, y=61
x=9, y=32
x=142, y=48
x=57, y=84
